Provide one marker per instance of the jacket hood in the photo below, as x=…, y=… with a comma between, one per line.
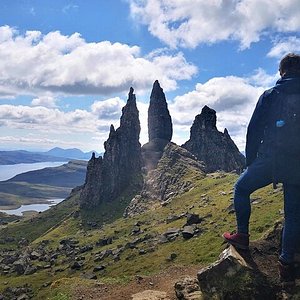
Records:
x=289, y=84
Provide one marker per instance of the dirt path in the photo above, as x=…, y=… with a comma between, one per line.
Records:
x=163, y=282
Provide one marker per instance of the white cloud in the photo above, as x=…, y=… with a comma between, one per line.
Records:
x=261, y=78
x=233, y=98
x=88, y=128
x=285, y=46
x=192, y=22
x=46, y=101
x=34, y=63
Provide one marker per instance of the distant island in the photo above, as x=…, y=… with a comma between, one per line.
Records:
x=41, y=185
x=56, y=154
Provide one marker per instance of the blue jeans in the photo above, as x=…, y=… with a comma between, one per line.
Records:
x=258, y=175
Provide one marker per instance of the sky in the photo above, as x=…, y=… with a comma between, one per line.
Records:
x=66, y=66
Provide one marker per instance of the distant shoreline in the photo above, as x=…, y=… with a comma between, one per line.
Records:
x=35, y=201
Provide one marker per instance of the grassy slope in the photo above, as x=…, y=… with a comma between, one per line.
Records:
x=36, y=226
x=199, y=250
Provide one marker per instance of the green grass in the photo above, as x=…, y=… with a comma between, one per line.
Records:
x=37, y=226
x=200, y=250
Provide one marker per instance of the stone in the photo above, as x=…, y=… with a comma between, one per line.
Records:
x=30, y=270
x=188, y=232
x=171, y=219
x=23, y=297
x=76, y=265
x=216, y=149
x=20, y=266
x=35, y=255
x=89, y=276
x=188, y=289
x=103, y=254
x=99, y=268
x=193, y=219
x=172, y=256
x=104, y=241
x=120, y=167
x=150, y=295
x=136, y=230
x=86, y=248
x=216, y=281
x=23, y=242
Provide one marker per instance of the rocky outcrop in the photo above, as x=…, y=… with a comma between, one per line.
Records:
x=240, y=274
x=216, y=149
x=120, y=167
x=159, y=128
x=175, y=174
x=231, y=277
x=159, y=119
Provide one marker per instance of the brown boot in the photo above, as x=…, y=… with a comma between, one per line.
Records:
x=286, y=273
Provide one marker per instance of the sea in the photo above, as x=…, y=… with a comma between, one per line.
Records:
x=9, y=171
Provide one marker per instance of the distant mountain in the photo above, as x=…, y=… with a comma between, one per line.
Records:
x=55, y=154
x=22, y=156
x=72, y=153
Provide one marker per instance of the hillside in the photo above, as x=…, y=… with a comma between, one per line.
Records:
x=122, y=249
x=39, y=185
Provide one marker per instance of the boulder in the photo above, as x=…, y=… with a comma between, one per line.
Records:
x=150, y=295
x=188, y=289
x=188, y=232
x=232, y=278
x=104, y=241
x=193, y=219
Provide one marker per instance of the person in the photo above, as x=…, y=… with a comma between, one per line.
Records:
x=270, y=161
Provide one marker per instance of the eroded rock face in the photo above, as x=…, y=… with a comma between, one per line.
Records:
x=120, y=167
x=159, y=119
x=160, y=128
x=93, y=187
x=174, y=175
x=216, y=149
x=231, y=277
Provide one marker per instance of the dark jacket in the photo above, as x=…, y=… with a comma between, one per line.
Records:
x=262, y=131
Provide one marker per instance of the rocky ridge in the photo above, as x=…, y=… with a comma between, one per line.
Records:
x=216, y=149
x=120, y=167
x=174, y=175
x=157, y=171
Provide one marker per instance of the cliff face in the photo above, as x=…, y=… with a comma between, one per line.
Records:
x=120, y=167
x=216, y=149
x=160, y=128
x=175, y=174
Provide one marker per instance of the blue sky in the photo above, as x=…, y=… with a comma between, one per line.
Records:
x=66, y=66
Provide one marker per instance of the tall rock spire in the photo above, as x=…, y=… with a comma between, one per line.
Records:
x=159, y=119
x=216, y=149
x=159, y=128
x=120, y=167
